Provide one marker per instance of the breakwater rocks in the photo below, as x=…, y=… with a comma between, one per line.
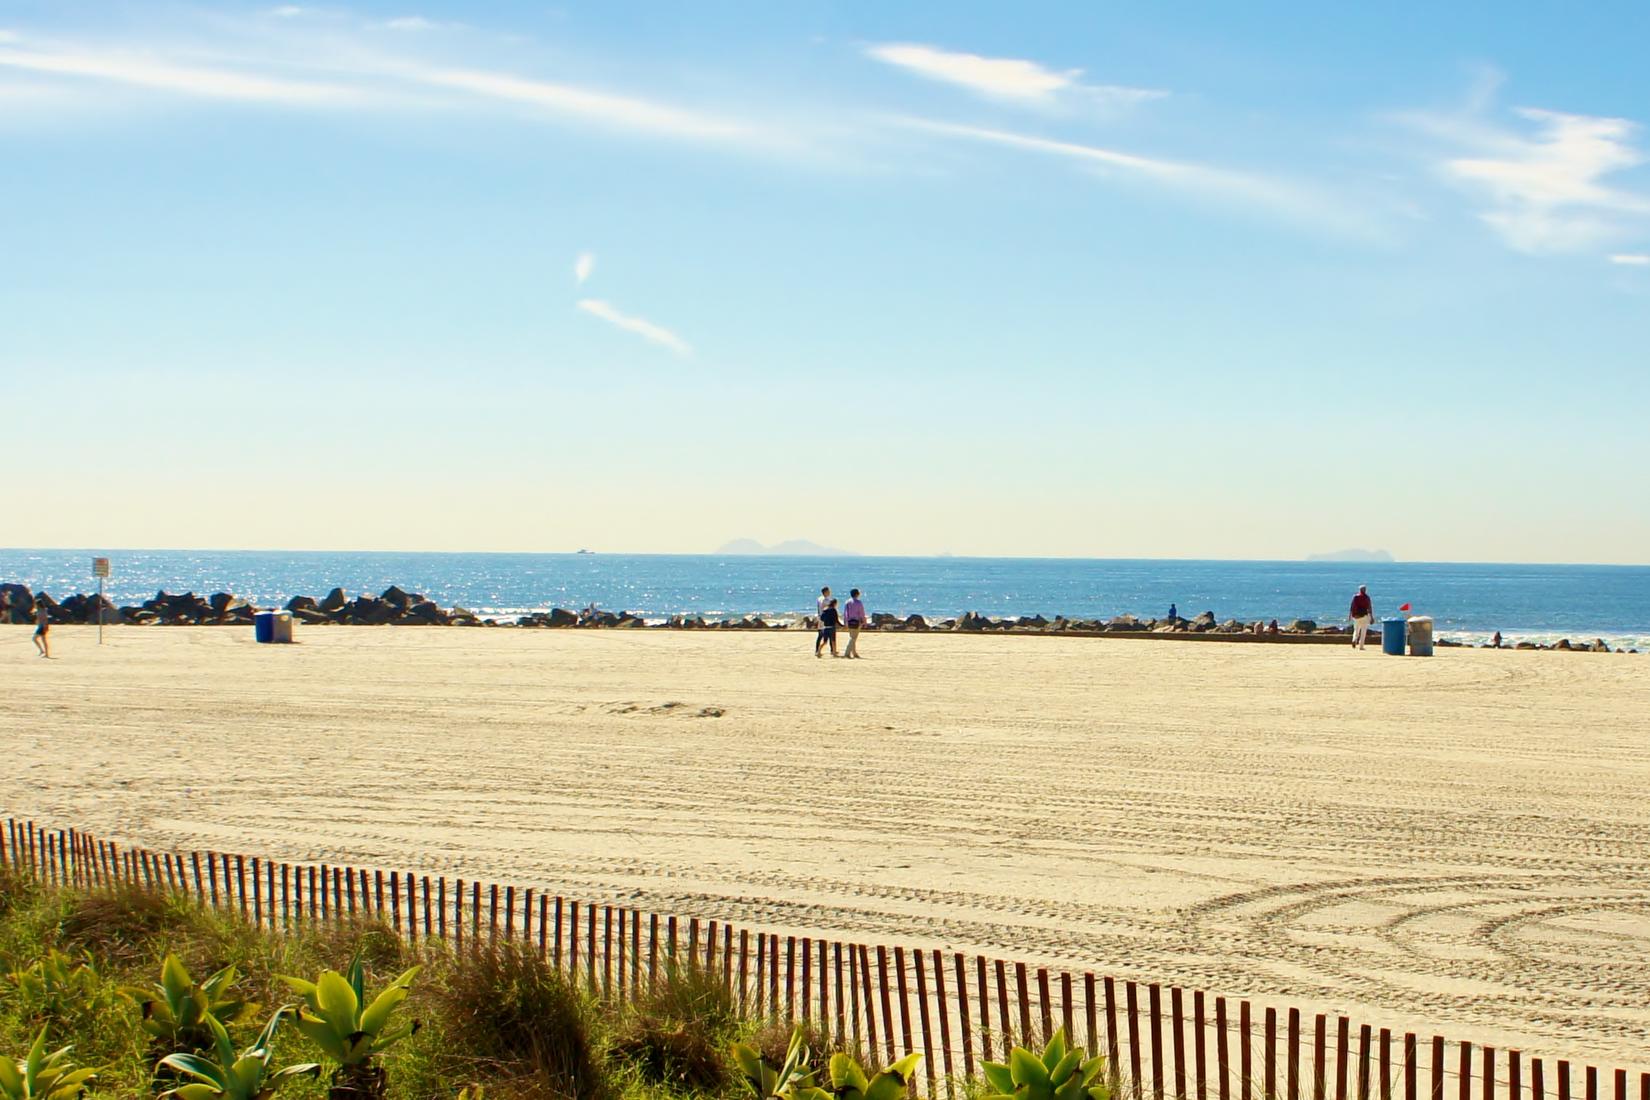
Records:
x=397, y=607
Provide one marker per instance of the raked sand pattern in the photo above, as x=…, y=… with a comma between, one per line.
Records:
x=1459, y=844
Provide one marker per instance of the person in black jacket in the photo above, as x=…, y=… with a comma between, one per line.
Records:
x=829, y=620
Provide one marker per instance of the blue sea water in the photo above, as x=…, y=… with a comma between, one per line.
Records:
x=1468, y=601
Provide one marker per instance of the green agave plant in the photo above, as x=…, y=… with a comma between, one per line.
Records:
x=1055, y=1074
x=768, y=1082
x=795, y=1080
x=58, y=985
x=182, y=1011
x=43, y=1076
x=234, y=1076
x=849, y=1081
x=337, y=1018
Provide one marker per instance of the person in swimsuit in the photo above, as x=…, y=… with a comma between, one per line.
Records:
x=829, y=620
x=42, y=628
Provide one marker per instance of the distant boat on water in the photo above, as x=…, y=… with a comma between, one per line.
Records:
x=583, y=551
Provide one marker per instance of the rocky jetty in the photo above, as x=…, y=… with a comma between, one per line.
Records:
x=398, y=607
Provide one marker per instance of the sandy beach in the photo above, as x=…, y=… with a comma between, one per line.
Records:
x=1459, y=844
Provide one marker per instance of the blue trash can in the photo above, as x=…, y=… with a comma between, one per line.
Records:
x=263, y=626
x=1393, y=632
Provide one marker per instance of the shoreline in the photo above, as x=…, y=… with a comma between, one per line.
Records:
x=398, y=607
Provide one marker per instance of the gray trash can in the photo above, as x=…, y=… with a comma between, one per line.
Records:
x=1420, y=636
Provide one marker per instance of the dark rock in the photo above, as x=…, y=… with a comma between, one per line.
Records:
x=1600, y=646
x=560, y=616
x=223, y=603
x=1205, y=620
x=882, y=618
x=396, y=598
x=1526, y=645
x=972, y=621
x=16, y=603
x=367, y=611
x=426, y=612
x=302, y=603
x=311, y=615
x=335, y=600
x=1563, y=643
x=1126, y=624
x=916, y=622
x=1301, y=626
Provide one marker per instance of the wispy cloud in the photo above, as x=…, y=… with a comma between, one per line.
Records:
x=583, y=266
x=629, y=112
x=642, y=327
x=1286, y=200
x=157, y=73
x=1631, y=259
x=363, y=71
x=1545, y=183
x=1006, y=78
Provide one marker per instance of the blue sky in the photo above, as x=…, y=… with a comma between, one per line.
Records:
x=1067, y=279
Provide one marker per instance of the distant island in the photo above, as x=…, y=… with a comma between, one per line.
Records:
x=800, y=548
x=1353, y=555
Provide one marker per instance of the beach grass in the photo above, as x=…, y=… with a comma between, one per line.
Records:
x=496, y=1016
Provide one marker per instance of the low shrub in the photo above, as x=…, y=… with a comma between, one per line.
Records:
x=772, y=1041
x=122, y=925
x=677, y=1035
x=509, y=1015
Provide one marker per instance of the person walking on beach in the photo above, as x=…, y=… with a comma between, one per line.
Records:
x=824, y=599
x=42, y=628
x=1362, y=613
x=829, y=620
x=853, y=614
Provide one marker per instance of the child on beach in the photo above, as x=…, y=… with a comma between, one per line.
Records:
x=42, y=629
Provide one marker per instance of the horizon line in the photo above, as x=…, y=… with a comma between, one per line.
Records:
x=1304, y=560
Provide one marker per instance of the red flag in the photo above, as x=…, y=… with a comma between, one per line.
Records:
x=1405, y=607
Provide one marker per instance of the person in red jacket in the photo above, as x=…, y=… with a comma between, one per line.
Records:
x=1362, y=614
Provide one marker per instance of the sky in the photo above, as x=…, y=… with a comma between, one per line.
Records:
x=1091, y=280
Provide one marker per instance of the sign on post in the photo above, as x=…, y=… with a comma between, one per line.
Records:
x=100, y=570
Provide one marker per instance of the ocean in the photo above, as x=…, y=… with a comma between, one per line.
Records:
x=1467, y=601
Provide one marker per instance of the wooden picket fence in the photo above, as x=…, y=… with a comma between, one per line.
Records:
x=956, y=1009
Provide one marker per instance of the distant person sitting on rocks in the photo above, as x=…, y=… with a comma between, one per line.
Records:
x=853, y=615
x=829, y=620
x=1174, y=613
x=1362, y=613
x=42, y=627
x=1272, y=628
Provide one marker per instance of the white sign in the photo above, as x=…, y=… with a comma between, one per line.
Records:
x=100, y=567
